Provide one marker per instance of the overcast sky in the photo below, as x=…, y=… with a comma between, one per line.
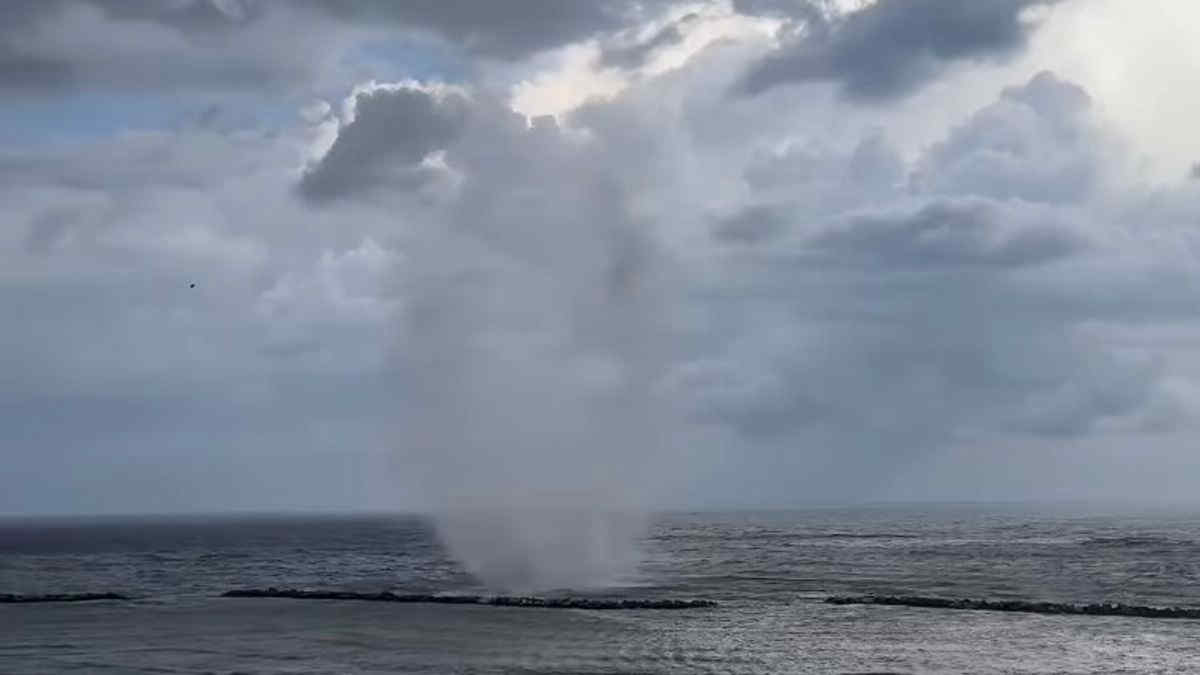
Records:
x=732, y=252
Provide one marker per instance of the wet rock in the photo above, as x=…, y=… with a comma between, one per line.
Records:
x=1098, y=609
x=490, y=600
x=59, y=597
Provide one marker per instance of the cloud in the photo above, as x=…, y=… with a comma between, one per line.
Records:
x=393, y=131
x=502, y=30
x=635, y=54
x=792, y=293
x=881, y=324
x=249, y=45
x=142, y=46
x=952, y=233
x=891, y=47
x=121, y=373
x=1037, y=143
x=751, y=225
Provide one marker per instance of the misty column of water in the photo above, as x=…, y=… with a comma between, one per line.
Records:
x=534, y=348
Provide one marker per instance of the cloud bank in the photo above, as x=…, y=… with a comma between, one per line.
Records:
x=408, y=295
x=890, y=47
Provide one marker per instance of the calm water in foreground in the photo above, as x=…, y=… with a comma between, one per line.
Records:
x=769, y=571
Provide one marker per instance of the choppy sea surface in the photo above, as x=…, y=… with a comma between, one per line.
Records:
x=769, y=571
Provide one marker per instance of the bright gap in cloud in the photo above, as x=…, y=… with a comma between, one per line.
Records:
x=578, y=74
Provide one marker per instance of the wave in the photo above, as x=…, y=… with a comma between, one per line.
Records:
x=492, y=600
x=855, y=535
x=785, y=536
x=1101, y=609
x=1134, y=541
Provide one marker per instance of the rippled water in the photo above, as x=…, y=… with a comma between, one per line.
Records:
x=770, y=572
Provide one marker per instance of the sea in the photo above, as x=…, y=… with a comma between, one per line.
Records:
x=770, y=572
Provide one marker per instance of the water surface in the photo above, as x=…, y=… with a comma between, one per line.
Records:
x=769, y=571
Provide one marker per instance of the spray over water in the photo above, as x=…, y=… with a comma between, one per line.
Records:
x=534, y=342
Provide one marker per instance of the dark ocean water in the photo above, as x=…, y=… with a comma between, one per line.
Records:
x=769, y=571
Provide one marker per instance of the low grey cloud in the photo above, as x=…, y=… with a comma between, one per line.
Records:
x=635, y=54
x=753, y=224
x=891, y=47
x=883, y=326
x=136, y=46
x=249, y=45
x=958, y=232
x=393, y=130
x=504, y=30
x=417, y=295
x=1035, y=143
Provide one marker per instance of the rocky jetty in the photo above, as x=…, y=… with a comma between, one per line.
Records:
x=491, y=600
x=59, y=597
x=1102, y=609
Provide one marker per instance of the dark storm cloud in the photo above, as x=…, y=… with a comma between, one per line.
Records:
x=25, y=71
x=251, y=44
x=751, y=225
x=634, y=55
x=813, y=15
x=959, y=232
x=497, y=29
x=194, y=16
x=392, y=132
x=193, y=159
x=21, y=70
x=21, y=14
x=48, y=228
x=112, y=45
x=892, y=47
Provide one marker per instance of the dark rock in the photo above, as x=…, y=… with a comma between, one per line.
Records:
x=1105, y=609
x=491, y=600
x=59, y=597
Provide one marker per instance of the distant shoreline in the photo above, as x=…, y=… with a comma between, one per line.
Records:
x=1109, y=505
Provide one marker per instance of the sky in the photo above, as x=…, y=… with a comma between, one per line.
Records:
x=322, y=254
